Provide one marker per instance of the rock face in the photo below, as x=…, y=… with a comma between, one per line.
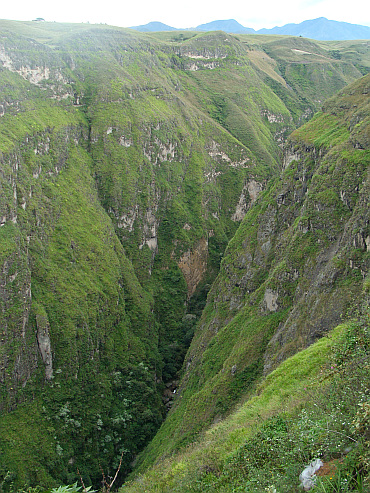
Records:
x=249, y=195
x=17, y=366
x=43, y=339
x=193, y=265
x=64, y=282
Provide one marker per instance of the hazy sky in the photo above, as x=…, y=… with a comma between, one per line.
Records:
x=189, y=13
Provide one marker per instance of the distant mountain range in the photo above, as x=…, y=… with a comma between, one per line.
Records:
x=320, y=29
x=229, y=26
x=154, y=27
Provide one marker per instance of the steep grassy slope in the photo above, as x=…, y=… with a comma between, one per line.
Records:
x=75, y=321
x=314, y=405
x=127, y=163
x=293, y=269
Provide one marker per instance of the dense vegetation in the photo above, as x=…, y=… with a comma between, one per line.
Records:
x=314, y=405
x=128, y=162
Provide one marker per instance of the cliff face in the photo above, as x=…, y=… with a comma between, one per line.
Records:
x=127, y=164
x=76, y=325
x=294, y=269
x=72, y=311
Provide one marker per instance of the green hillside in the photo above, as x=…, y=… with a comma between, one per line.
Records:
x=129, y=162
x=293, y=270
x=313, y=405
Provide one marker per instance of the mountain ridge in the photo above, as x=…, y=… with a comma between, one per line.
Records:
x=230, y=26
x=319, y=29
x=153, y=26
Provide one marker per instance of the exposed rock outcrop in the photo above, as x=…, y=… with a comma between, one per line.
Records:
x=43, y=339
x=193, y=265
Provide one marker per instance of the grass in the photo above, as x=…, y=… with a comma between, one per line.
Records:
x=35, y=118
x=323, y=131
x=36, y=451
x=267, y=440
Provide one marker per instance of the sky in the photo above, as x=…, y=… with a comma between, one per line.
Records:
x=190, y=13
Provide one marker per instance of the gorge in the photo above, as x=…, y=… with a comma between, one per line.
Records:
x=190, y=208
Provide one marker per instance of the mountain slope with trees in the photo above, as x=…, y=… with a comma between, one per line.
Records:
x=296, y=268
